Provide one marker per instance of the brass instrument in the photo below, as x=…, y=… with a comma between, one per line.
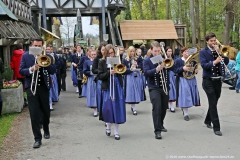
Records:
x=192, y=63
x=42, y=60
x=119, y=68
x=222, y=62
x=167, y=62
x=84, y=80
x=225, y=50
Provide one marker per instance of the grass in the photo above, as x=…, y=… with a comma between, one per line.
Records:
x=5, y=124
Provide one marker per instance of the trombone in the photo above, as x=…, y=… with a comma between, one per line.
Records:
x=222, y=62
x=167, y=63
x=43, y=61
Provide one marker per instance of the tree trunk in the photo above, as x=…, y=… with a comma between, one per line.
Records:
x=198, y=22
x=193, y=23
x=204, y=20
x=139, y=3
x=128, y=11
x=156, y=8
x=228, y=21
x=167, y=9
x=152, y=9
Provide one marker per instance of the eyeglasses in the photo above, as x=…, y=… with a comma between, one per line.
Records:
x=111, y=53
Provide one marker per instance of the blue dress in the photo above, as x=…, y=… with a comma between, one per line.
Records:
x=90, y=85
x=54, y=89
x=74, y=76
x=134, y=88
x=172, y=85
x=114, y=111
x=187, y=90
x=99, y=94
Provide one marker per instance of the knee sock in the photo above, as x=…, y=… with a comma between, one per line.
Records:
x=116, y=128
x=185, y=111
x=108, y=128
x=50, y=104
x=94, y=111
x=171, y=105
x=77, y=89
x=133, y=107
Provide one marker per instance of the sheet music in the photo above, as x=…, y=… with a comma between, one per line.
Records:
x=112, y=60
x=156, y=59
x=35, y=51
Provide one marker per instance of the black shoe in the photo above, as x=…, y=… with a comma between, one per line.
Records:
x=79, y=96
x=108, y=133
x=163, y=129
x=52, y=103
x=172, y=110
x=208, y=126
x=232, y=88
x=46, y=135
x=117, y=137
x=37, y=144
x=134, y=112
x=186, y=118
x=51, y=109
x=158, y=136
x=218, y=133
x=237, y=91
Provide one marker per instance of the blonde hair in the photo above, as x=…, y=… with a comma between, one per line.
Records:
x=129, y=53
x=149, y=53
x=106, y=51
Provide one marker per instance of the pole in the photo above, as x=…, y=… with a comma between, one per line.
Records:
x=103, y=18
x=44, y=14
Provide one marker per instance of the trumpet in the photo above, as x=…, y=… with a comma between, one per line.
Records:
x=222, y=62
x=43, y=61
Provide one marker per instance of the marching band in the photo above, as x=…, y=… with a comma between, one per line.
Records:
x=108, y=87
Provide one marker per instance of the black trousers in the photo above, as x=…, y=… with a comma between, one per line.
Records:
x=80, y=87
x=39, y=110
x=213, y=91
x=159, y=102
x=59, y=83
x=63, y=81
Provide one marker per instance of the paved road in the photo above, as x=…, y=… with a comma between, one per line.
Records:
x=77, y=135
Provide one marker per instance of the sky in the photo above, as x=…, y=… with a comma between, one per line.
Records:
x=87, y=28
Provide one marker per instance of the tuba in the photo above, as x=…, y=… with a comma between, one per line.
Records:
x=191, y=62
x=120, y=68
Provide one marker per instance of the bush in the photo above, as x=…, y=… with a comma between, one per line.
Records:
x=7, y=74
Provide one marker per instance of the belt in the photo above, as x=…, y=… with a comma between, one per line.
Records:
x=214, y=79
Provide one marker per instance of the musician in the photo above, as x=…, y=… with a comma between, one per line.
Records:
x=38, y=104
x=100, y=52
x=75, y=58
x=172, y=84
x=80, y=70
x=212, y=70
x=90, y=85
x=186, y=89
x=113, y=111
x=53, y=95
x=134, y=89
x=159, y=98
x=237, y=69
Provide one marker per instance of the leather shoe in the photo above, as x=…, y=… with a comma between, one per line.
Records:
x=172, y=110
x=158, y=136
x=108, y=132
x=37, y=144
x=237, y=91
x=46, y=135
x=209, y=126
x=232, y=88
x=117, y=137
x=163, y=129
x=186, y=118
x=79, y=96
x=218, y=133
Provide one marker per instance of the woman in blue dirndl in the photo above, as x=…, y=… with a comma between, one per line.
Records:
x=187, y=90
x=113, y=101
x=84, y=86
x=100, y=52
x=134, y=88
x=172, y=84
x=90, y=85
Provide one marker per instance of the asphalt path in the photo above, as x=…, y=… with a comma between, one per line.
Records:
x=77, y=135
